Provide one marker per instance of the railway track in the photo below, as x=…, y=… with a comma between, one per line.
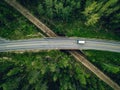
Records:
x=50, y=33
x=94, y=69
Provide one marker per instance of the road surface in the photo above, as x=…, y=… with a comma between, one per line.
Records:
x=59, y=43
x=76, y=54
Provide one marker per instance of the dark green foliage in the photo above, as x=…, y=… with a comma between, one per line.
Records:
x=57, y=9
x=78, y=29
x=104, y=12
x=108, y=62
x=14, y=25
x=52, y=70
x=102, y=16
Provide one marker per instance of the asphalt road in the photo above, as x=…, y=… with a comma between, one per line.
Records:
x=59, y=43
x=50, y=33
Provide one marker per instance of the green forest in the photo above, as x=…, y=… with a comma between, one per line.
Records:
x=54, y=69
x=90, y=15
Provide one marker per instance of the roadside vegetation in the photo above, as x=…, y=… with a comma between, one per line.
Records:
x=46, y=70
x=15, y=26
x=83, y=18
x=55, y=70
x=78, y=29
x=108, y=62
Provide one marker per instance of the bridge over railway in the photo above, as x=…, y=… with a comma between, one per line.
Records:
x=76, y=54
x=59, y=43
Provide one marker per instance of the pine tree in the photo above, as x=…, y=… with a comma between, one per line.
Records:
x=105, y=12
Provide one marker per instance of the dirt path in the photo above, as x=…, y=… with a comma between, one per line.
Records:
x=50, y=33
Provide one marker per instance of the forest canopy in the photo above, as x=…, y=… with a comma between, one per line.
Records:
x=55, y=70
x=91, y=12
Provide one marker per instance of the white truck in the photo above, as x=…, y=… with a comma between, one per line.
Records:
x=80, y=42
